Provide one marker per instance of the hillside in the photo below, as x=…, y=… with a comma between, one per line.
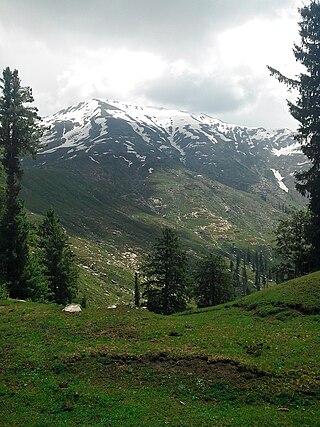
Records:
x=117, y=172
x=236, y=364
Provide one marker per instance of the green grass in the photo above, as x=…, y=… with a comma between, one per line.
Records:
x=241, y=364
x=129, y=212
x=302, y=294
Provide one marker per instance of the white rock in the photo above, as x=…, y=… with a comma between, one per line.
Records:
x=112, y=306
x=72, y=308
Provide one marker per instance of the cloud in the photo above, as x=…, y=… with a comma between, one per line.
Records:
x=197, y=92
x=205, y=55
x=168, y=27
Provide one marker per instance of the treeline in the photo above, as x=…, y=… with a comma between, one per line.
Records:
x=251, y=270
x=169, y=278
x=35, y=262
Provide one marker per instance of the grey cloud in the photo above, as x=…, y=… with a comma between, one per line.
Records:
x=244, y=102
x=194, y=92
x=168, y=26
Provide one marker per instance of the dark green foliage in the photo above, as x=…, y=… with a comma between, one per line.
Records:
x=245, y=288
x=19, y=134
x=164, y=269
x=307, y=111
x=136, y=290
x=58, y=259
x=35, y=280
x=213, y=282
x=236, y=273
x=257, y=280
x=293, y=247
x=14, y=250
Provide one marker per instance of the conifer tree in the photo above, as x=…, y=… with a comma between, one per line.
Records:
x=164, y=270
x=248, y=256
x=245, y=289
x=231, y=268
x=306, y=111
x=236, y=274
x=58, y=259
x=257, y=280
x=19, y=135
x=293, y=245
x=213, y=282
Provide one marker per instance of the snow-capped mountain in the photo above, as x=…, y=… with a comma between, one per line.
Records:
x=144, y=139
x=117, y=172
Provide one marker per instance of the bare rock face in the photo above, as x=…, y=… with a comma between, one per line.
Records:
x=72, y=308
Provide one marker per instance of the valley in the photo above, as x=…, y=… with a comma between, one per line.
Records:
x=117, y=173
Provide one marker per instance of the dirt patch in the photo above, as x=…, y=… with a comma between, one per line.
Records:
x=162, y=363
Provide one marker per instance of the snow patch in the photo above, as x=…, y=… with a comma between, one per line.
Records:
x=94, y=160
x=289, y=150
x=279, y=178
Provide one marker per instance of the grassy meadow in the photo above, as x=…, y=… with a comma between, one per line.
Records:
x=253, y=362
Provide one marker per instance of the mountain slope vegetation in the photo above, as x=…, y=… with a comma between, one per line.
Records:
x=230, y=364
x=112, y=169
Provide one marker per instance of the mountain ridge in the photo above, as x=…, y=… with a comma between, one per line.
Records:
x=112, y=167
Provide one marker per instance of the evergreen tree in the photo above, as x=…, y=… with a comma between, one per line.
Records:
x=264, y=282
x=213, y=282
x=164, y=270
x=307, y=111
x=261, y=264
x=293, y=245
x=58, y=259
x=256, y=262
x=245, y=288
x=19, y=134
x=231, y=268
x=236, y=274
x=257, y=279
x=248, y=260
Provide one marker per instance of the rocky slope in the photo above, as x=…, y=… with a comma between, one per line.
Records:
x=110, y=168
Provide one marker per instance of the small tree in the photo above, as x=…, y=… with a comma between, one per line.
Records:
x=213, y=282
x=164, y=270
x=245, y=288
x=58, y=259
x=293, y=245
x=19, y=135
x=236, y=273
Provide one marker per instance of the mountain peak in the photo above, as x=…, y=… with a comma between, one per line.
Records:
x=144, y=138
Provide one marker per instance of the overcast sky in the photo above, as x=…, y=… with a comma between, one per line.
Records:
x=205, y=56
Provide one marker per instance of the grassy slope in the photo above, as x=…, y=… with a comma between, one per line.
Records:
x=115, y=223
x=240, y=364
x=204, y=212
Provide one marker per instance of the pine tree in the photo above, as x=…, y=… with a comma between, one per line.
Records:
x=58, y=259
x=307, y=111
x=19, y=134
x=257, y=279
x=245, y=289
x=231, y=267
x=248, y=256
x=236, y=273
x=293, y=245
x=164, y=270
x=213, y=282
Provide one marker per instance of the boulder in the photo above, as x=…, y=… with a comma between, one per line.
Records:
x=72, y=308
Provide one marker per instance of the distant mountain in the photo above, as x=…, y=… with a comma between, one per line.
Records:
x=111, y=167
